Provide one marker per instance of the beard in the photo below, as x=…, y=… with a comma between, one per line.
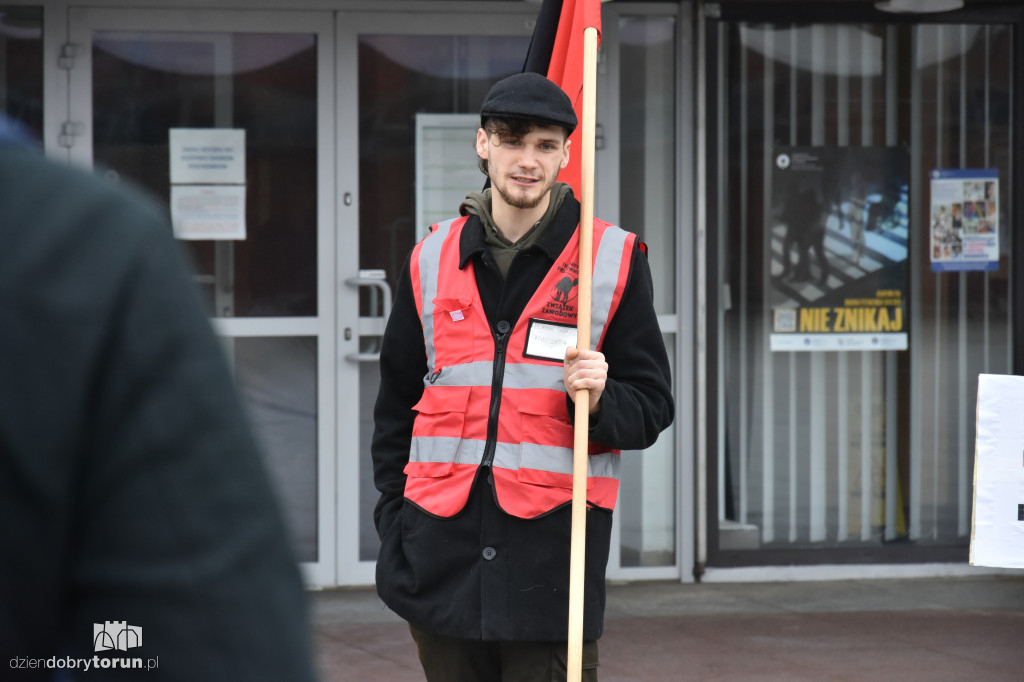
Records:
x=522, y=201
x=525, y=202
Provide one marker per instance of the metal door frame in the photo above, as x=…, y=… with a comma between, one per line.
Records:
x=82, y=22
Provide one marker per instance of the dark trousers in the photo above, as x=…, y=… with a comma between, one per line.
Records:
x=451, y=659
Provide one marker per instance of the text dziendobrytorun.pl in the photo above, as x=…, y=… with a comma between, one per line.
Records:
x=85, y=664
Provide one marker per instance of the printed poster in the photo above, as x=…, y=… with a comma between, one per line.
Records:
x=964, y=225
x=997, y=530
x=207, y=183
x=838, y=247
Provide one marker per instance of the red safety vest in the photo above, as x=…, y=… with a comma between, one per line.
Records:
x=496, y=400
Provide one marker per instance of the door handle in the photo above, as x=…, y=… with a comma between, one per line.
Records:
x=371, y=326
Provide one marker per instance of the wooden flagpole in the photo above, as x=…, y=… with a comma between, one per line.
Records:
x=577, y=547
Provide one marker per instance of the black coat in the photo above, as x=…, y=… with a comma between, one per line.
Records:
x=484, y=574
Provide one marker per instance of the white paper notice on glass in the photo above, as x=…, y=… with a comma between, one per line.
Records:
x=211, y=156
x=997, y=534
x=208, y=212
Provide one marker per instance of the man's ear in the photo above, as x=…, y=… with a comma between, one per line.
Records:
x=481, y=143
x=565, y=153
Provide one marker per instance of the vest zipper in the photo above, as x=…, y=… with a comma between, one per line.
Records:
x=497, y=378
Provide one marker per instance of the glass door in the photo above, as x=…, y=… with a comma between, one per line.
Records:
x=417, y=84
x=226, y=116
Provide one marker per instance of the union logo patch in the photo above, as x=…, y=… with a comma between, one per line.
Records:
x=564, y=290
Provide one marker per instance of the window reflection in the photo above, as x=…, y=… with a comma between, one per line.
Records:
x=144, y=84
x=401, y=76
x=647, y=191
x=277, y=380
x=863, y=453
x=647, y=496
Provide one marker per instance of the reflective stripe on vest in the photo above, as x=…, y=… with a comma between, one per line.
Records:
x=436, y=449
x=517, y=375
x=430, y=250
x=532, y=465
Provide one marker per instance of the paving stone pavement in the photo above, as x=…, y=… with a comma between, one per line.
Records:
x=935, y=629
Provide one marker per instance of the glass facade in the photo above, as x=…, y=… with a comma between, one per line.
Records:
x=647, y=144
x=648, y=78
x=852, y=327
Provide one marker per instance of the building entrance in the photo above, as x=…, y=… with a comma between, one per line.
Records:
x=302, y=154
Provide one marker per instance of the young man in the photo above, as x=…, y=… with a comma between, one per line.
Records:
x=473, y=443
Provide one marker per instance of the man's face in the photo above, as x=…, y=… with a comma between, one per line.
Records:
x=523, y=168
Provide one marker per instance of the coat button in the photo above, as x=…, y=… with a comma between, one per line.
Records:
x=503, y=327
x=489, y=553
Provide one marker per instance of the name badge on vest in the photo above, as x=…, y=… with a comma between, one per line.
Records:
x=546, y=340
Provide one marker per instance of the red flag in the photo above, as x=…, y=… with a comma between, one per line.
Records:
x=557, y=52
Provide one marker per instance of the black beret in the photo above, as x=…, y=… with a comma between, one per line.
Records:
x=529, y=96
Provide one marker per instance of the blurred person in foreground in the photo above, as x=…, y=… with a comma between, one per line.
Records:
x=137, y=523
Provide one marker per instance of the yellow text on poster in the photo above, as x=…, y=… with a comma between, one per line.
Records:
x=857, y=316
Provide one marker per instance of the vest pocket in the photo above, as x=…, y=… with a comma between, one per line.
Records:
x=454, y=322
x=545, y=455
x=538, y=426
x=437, y=431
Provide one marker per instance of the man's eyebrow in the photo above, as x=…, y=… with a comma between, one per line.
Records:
x=549, y=140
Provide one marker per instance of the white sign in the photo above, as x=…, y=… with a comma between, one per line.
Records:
x=997, y=534
x=208, y=212
x=211, y=156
